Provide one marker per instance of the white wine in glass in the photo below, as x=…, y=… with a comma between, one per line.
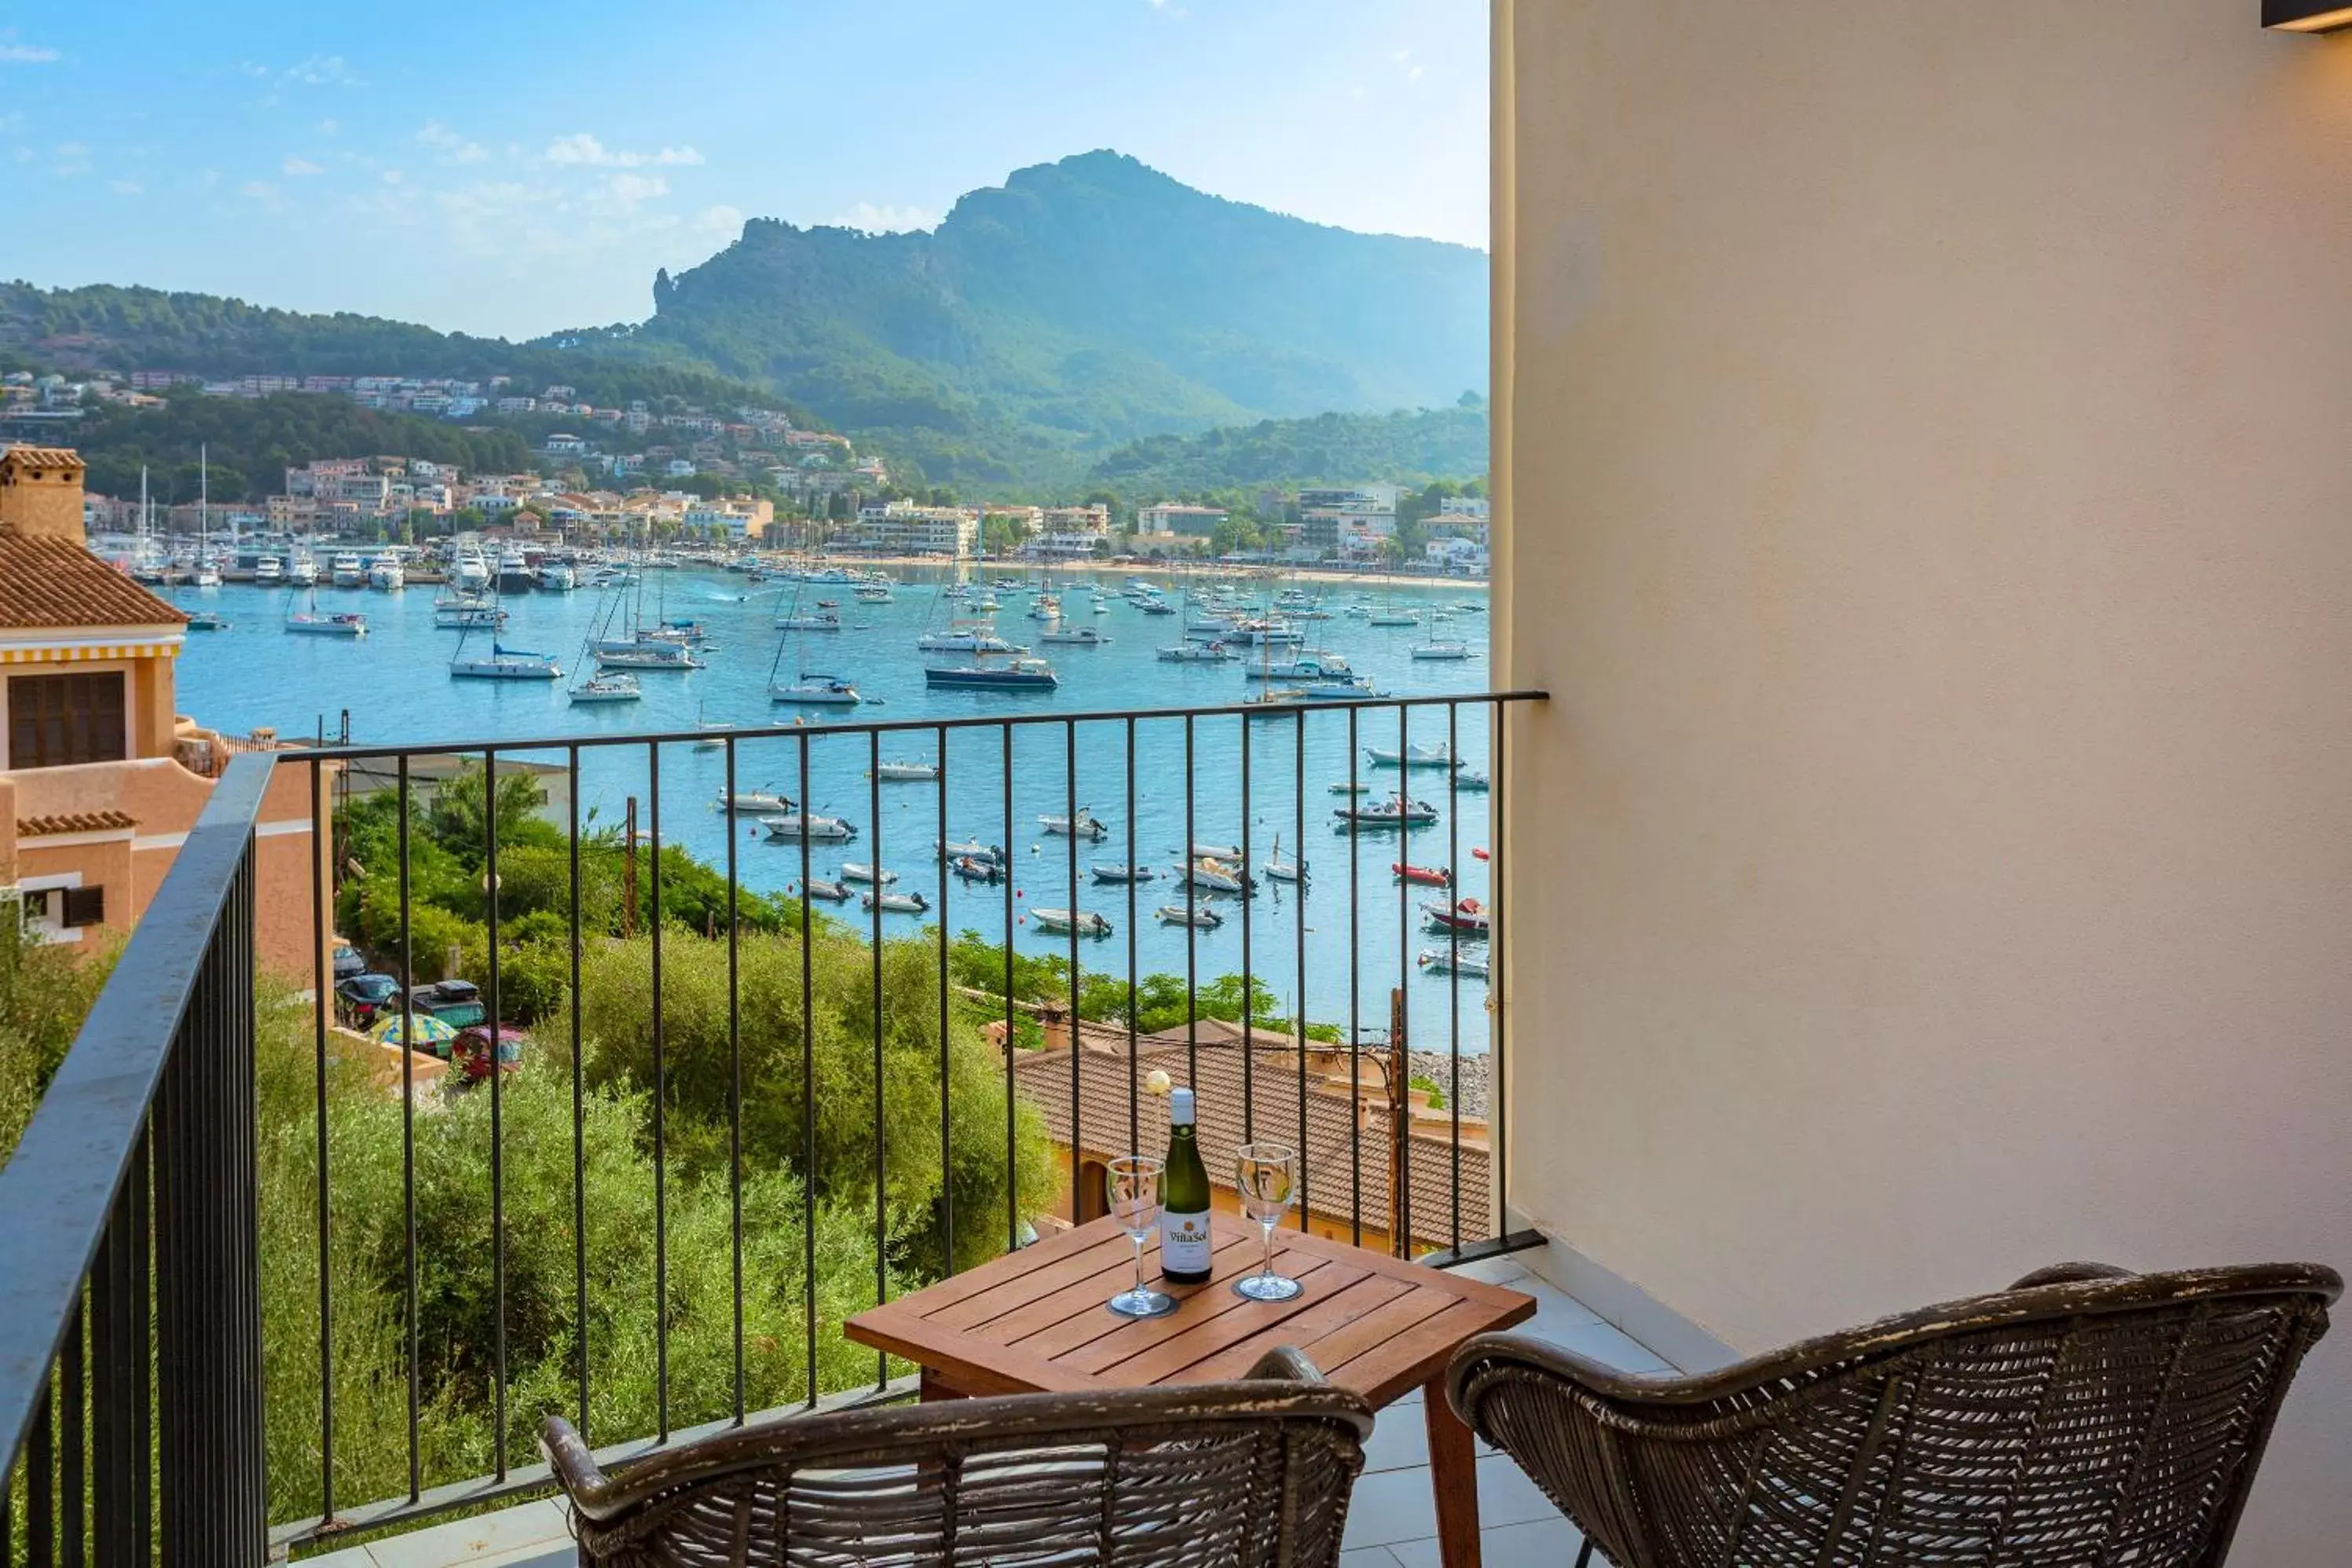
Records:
x=1134, y=1190
x=1266, y=1177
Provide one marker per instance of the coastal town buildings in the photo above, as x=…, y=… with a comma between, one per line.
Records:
x=1173, y=519
x=903, y=528
x=100, y=778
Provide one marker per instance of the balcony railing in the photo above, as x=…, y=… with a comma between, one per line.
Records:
x=771, y=1115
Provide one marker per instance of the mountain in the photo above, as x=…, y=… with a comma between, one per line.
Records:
x=1080, y=305
x=105, y=327
x=1410, y=446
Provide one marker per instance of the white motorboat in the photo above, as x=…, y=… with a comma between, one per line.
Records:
x=874, y=594
x=1393, y=619
x=1464, y=917
x=309, y=621
x=1309, y=669
x=822, y=621
x=795, y=827
x=896, y=903
x=515, y=575
x=816, y=691
x=907, y=773
x=969, y=850
x=1472, y=781
x=1075, y=637
x=206, y=573
x=1452, y=652
x=1455, y=961
x=558, y=577
x=1113, y=872
x=970, y=640
x=1065, y=922
x=1085, y=825
x=269, y=571
x=1213, y=877
x=386, y=572
x=302, y=570
x=348, y=570
x=873, y=875
x=752, y=800
x=470, y=574
x=1427, y=754
x=1201, y=916
x=1198, y=653
x=1394, y=812
x=830, y=892
x=607, y=688
x=1216, y=851
x=461, y=612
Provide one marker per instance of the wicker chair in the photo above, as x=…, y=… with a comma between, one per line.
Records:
x=1237, y=1474
x=2085, y=1416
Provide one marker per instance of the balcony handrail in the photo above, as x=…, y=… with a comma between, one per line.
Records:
x=58, y=1190
x=739, y=734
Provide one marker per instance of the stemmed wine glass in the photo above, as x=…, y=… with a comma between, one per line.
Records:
x=1134, y=1183
x=1266, y=1177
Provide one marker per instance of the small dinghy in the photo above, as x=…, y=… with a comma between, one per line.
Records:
x=828, y=892
x=852, y=871
x=1200, y=916
x=977, y=868
x=1064, y=923
x=1085, y=825
x=1441, y=961
x=752, y=800
x=896, y=903
x=791, y=829
x=1423, y=876
x=1281, y=870
x=1467, y=917
x=907, y=773
x=1112, y=871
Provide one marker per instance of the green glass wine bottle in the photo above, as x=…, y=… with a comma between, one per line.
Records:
x=1183, y=1199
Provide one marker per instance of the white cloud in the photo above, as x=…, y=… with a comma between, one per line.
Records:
x=883, y=219
x=1413, y=77
x=329, y=127
x=26, y=55
x=448, y=147
x=259, y=190
x=25, y=154
x=623, y=192
x=299, y=166
x=393, y=176
x=125, y=187
x=581, y=148
x=72, y=158
x=324, y=70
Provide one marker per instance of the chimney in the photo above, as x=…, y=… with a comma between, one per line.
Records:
x=40, y=492
x=1054, y=1023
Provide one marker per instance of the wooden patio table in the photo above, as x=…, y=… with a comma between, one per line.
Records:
x=1036, y=1320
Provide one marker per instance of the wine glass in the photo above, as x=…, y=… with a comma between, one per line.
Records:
x=1266, y=1177
x=1134, y=1183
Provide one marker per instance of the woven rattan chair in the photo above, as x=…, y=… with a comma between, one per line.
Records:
x=1230, y=1474
x=2084, y=1416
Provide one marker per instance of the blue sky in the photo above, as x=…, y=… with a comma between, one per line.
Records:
x=512, y=166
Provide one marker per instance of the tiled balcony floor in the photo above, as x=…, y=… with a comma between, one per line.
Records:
x=1391, y=1523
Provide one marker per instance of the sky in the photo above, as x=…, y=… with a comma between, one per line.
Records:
x=511, y=167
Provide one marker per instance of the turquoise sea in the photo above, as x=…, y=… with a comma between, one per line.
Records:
x=395, y=686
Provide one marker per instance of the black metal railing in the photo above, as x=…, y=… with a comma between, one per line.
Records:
x=130, y=1344
x=718, y=1064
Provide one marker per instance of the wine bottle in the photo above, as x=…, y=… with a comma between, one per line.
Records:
x=1183, y=1199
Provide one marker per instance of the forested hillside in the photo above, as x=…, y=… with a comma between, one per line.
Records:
x=1410, y=446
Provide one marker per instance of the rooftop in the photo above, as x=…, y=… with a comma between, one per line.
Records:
x=50, y=582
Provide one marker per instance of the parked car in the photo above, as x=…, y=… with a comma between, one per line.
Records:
x=456, y=1003
x=364, y=997
x=348, y=964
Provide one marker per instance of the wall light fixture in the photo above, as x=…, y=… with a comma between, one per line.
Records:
x=2307, y=16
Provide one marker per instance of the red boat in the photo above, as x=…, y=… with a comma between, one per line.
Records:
x=1468, y=917
x=1426, y=876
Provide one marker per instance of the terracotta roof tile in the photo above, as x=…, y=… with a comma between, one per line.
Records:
x=57, y=583
x=74, y=822
x=1341, y=1160
x=41, y=457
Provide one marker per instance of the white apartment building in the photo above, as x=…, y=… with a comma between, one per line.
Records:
x=902, y=528
x=1170, y=518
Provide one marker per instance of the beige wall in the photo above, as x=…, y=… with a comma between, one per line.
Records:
x=1926, y=437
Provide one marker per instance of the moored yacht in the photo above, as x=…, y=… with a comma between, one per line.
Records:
x=349, y=571
x=386, y=572
x=1014, y=675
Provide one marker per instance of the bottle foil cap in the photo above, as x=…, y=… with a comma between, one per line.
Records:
x=1180, y=1107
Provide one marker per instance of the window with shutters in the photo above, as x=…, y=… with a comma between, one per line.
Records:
x=57, y=720
x=84, y=907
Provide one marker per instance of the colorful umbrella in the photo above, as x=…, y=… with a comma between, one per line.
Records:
x=430, y=1031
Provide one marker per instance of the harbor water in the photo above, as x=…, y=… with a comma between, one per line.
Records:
x=395, y=686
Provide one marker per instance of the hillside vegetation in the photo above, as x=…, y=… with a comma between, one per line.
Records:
x=1410, y=447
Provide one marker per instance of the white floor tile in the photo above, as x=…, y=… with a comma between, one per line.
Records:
x=1503, y=1270
x=1609, y=1345
x=1389, y=1507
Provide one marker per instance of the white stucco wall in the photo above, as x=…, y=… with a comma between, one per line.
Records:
x=1927, y=442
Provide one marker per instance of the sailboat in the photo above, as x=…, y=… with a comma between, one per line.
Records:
x=713, y=733
x=1281, y=870
x=503, y=663
x=599, y=686
x=811, y=689
x=310, y=621
x=207, y=573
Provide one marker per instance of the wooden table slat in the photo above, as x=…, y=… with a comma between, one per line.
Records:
x=1325, y=1312
x=1011, y=1266
x=1345, y=1343
x=1246, y=1322
x=1074, y=1301
x=1412, y=1358
x=1195, y=1305
x=1008, y=1295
